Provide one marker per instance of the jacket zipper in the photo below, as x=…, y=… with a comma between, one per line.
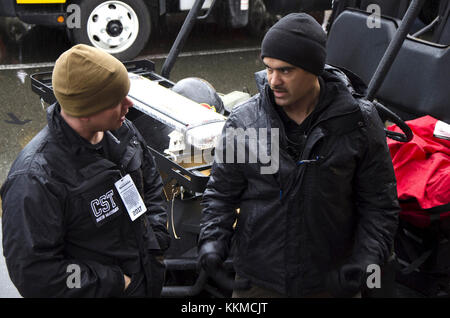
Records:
x=305, y=154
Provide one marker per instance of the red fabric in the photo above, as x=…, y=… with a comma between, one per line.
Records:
x=422, y=169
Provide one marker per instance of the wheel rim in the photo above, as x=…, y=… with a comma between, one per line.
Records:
x=113, y=26
x=257, y=15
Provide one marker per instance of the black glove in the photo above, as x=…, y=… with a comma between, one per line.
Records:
x=346, y=281
x=211, y=263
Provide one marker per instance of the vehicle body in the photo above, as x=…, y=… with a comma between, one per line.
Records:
x=382, y=57
x=401, y=50
x=123, y=27
x=424, y=51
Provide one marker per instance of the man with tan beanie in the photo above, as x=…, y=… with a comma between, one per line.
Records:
x=83, y=211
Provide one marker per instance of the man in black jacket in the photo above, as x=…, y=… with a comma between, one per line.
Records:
x=83, y=212
x=325, y=207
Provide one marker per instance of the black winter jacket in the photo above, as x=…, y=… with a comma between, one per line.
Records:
x=62, y=214
x=336, y=205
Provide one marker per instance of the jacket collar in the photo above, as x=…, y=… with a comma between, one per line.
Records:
x=118, y=141
x=65, y=135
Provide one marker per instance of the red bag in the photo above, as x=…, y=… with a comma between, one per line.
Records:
x=422, y=169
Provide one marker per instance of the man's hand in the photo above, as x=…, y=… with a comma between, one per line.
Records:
x=211, y=263
x=127, y=281
x=346, y=281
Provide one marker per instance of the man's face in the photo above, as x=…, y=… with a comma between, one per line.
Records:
x=111, y=118
x=290, y=84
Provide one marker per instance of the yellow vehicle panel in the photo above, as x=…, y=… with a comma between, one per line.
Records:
x=39, y=1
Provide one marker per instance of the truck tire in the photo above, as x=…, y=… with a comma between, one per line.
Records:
x=258, y=18
x=121, y=28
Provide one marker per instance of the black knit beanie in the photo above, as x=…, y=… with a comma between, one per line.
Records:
x=297, y=39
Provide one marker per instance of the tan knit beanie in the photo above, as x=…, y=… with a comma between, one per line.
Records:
x=87, y=80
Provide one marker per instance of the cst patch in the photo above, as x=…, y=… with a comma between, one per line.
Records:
x=105, y=207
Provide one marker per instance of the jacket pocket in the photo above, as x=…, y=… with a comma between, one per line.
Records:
x=136, y=288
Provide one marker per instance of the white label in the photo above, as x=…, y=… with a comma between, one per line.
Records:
x=187, y=4
x=442, y=130
x=244, y=5
x=130, y=197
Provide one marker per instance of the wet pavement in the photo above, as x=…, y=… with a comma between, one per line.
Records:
x=21, y=115
x=7, y=289
x=225, y=58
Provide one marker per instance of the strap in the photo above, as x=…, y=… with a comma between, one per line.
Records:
x=434, y=212
x=412, y=265
x=434, y=231
x=416, y=263
x=438, y=209
x=435, y=215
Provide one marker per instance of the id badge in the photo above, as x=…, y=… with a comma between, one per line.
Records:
x=130, y=197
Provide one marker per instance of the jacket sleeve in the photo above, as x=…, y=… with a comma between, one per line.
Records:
x=376, y=195
x=33, y=245
x=154, y=198
x=221, y=197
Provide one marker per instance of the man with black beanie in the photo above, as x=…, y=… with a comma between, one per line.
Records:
x=312, y=227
